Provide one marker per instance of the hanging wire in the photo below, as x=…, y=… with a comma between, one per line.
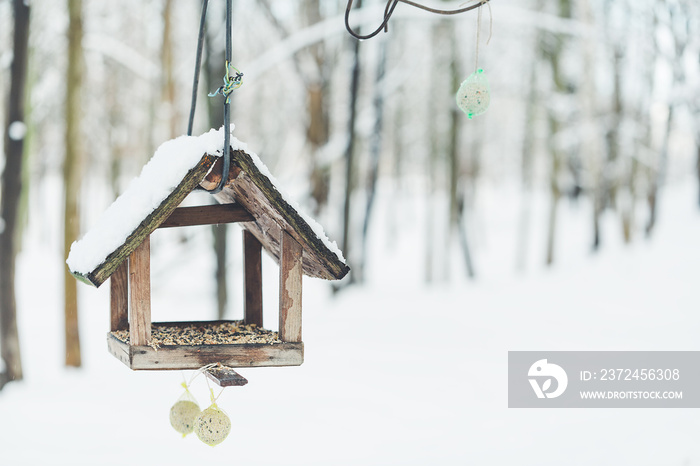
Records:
x=227, y=105
x=230, y=83
x=197, y=66
x=389, y=10
x=478, y=33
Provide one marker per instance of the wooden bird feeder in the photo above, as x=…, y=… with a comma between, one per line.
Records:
x=250, y=199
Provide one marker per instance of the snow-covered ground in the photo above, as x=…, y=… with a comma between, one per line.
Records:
x=395, y=372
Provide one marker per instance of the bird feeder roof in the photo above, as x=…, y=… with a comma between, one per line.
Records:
x=178, y=167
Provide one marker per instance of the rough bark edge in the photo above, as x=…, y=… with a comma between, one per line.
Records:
x=103, y=271
x=306, y=235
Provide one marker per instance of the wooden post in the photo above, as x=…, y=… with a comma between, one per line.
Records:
x=119, y=298
x=290, y=288
x=253, y=279
x=140, y=291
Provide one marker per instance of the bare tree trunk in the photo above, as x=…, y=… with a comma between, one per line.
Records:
x=614, y=133
x=432, y=159
x=9, y=201
x=458, y=204
x=697, y=168
x=626, y=211
x=428, y=266
x=318, y=127
x=680, y=25
x=350, y=150
x=453, y=168
x=526, y=167
x=375, y=151
x=167, y=65
x=555, y=161
x=658, y=178
x=397, y=144
x=628, y=216
x=554, y=52
x=317, y=136
x=592, y=145
x=597, y=208
x=643, y=118
x=313, y=69
x=72, y=168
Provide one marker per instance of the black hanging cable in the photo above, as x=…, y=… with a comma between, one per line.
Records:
x=389, y=10
x=227, y=104
x=230, y=83
x=197, y=66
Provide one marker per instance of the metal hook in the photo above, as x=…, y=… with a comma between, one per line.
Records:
x=389, y=10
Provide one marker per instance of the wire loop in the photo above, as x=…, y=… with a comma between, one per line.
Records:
x=389, y=10
x=230, y=83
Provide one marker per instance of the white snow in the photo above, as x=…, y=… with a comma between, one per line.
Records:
x=161, y=175
x=169, y=165
x=17, y=130
x=395, y=372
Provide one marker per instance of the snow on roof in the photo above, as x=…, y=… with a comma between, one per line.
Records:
x=161, y=175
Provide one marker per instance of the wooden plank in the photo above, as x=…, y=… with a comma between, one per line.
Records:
x=257, y=194
x=119, y=349
x=193, y=178
x=226, y=377
x=194, y=357
x=252, y=256
x=207, y=215
x=173, y=357
x=140, y=291
x=119, y=298
x=290, y=289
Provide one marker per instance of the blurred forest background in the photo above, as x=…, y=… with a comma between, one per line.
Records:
x=595, y=104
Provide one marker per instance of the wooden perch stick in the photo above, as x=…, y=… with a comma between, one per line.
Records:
x=119, y=298
x=140, y=284
x=252, y=252
x=290, y=289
